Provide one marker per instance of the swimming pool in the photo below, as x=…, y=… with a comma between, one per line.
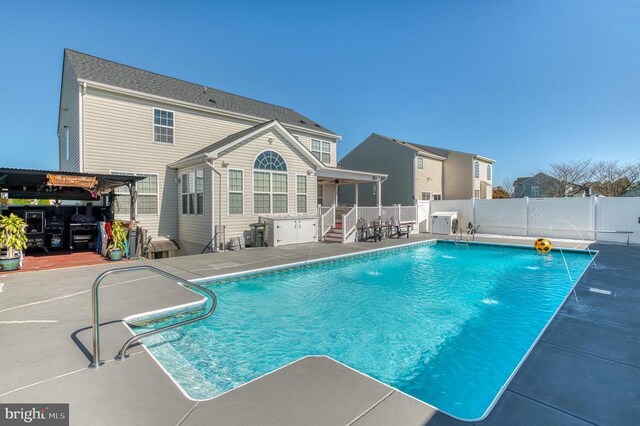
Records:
x=445, y=324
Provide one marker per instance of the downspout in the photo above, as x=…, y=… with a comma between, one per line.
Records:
x=83, y=91
x=209, y=162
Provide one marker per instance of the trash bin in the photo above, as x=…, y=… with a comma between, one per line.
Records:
x=258, y=234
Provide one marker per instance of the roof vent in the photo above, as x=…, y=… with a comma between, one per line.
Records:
x=303, y=122
x=212, y=101
x=317, y=125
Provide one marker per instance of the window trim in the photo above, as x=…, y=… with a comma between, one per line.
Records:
x=476, y=169
x=229, y=192
x=271, y=192
x=489, y=172
x=157, y=194
x=422, y=196
x=153, y=126
x=306, y=193
x=537, y=187
x=195, y=192
x=319, y=199
x=321, y=151
x=438, y=195
x=477, y=197
x=420, y=163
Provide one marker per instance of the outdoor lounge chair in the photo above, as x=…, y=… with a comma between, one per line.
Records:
x=398, y=229
x=367, y=232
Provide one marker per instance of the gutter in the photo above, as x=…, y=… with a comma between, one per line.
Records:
x=209, y=162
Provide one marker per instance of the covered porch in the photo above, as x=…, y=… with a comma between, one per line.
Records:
x=338, y=223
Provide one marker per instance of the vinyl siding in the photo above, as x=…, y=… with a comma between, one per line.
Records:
x=195, y=231
x=242, y=157
x=458, y=176
x=119, y=137
x=305, y=139
x=69, y=116
x=429, y=178
x=483, y=183
x=379, y=155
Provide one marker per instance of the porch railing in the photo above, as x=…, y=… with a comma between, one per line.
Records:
x=327, y=220
x=404, y=213
x=349, y=222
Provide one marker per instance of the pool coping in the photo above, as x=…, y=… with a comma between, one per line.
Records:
x=293, y=265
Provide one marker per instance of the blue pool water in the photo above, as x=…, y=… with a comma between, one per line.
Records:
x=443, y=323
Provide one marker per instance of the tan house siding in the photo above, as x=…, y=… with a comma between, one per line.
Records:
x=69, y=116
x=429, y=179
x=305, y=139
x=195, y=231
x=242, y=157
x=483, y=183
x=458, y=176
x=118, y=136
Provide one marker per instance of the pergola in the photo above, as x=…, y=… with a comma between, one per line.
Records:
x=57, y=185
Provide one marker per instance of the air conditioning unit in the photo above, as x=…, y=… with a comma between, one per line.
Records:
x=444, y=223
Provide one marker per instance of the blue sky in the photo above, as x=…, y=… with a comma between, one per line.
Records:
x=523, y=82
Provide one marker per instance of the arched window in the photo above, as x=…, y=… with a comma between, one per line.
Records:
x=270, y=160
x=488, y=171
x=476, y=167
x=270, y=184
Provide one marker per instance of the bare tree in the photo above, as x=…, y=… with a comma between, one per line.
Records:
x=507, y=185
x=567, y=179
x=613, y=179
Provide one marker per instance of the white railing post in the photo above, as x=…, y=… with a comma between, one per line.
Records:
x=526, y=216
x=343, y=228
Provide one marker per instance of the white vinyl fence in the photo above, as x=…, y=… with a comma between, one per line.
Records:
x=590, y=218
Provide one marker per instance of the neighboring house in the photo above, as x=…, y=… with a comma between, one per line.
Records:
x=418, y=172
x=542, y=185
x=210, y=158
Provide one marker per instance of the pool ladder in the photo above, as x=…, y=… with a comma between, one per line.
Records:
x=459, y=239
x=122, y=354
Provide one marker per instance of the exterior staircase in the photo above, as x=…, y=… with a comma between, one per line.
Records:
x=335, y=233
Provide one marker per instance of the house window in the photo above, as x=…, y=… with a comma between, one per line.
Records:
x=476, y=193
x=420, y=163
x=270, y=187
x=437, y=197
x=301, y=193
x=193, y=192
x=162, y=126
x=147, y=201
x=476, y=169
x=236, y=192
x=488, y=171
x=535, y=191
x=321, y=150
x=426, y=196
x=320, y=195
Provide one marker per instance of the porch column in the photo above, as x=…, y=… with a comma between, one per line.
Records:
x=379, y=196
x=133, y=195
x=356, y=193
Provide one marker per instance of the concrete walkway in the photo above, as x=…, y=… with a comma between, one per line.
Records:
x=585, y=370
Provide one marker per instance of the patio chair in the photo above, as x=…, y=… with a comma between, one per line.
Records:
x=398, y=229
x=367, y=232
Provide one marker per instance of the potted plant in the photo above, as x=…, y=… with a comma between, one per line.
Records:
x=118, y=240
x=14, y=238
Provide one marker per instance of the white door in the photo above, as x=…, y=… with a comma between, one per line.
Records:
x=285, y=232
x=307, y=230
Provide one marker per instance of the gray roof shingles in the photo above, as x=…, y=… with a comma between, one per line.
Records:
x=91, y=68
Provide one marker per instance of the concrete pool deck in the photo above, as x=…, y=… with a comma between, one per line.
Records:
x=584, y=370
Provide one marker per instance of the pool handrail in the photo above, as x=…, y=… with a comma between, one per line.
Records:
x=96, y=314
